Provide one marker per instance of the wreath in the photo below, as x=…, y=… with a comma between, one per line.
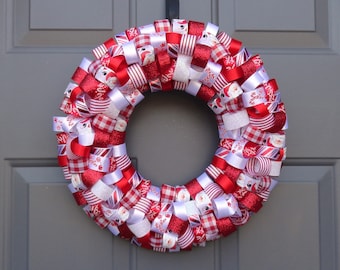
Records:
x=186, y=56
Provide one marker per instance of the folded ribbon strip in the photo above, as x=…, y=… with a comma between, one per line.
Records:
x=187, y=56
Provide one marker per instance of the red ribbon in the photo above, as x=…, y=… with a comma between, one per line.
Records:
x=117, y=137
x=225, y=226
x=219, y=163
x=205, y=93
x=94, y=88
x=145, y=241
x=125, y=232
x=80, y=150
x=122, y=76
x=117, y=63
x=252, y=202
x=201, y=55
x=225, y=183
x=235, y=46
x=232, y=172
x=90, y=177
x=193, y=187
x=177, y=225
x=79, y=198
x=75, y=93
x=78, y=75
x=279, y=122
x=62, y=161
x=195, y=28
x=232, y=74
x=173, y=38
x=151, y=71
x=101, y=138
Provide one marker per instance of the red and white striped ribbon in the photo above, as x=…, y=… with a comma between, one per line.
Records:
x=268, y=151
x=258, y=166
x=143, y=205
x=264, y=122
x=136, y=75
x=186, y=239
x=91, y=198
x=213, y=191
x=103, y=48
x=187, y=44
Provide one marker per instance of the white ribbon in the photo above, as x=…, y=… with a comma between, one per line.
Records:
x=69, y=122
x=193, y=87
x=225, y=206
x=130, y=53
x=211, y=28
x=102, y=190
x=236, y=161
x=118, y=99
x=204, y=180
x=113, y=177
x=85, y=63
x=158, y=40
x=147, y=29
x=247, y=182
x=180, y=210
x=77, y=182
x=235, y=120
x=182, y=70
x=119, y=150
x=275, y=168
x=107, y=76
x=256, y=79
x=182, y=194
x=154, y=193
x=140, y=228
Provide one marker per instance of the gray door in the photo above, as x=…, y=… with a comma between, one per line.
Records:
x=41, y=43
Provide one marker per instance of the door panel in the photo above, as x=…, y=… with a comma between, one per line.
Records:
x=295, y=229
x=41, y=226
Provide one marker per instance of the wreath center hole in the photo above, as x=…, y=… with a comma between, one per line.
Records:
x=173, y=136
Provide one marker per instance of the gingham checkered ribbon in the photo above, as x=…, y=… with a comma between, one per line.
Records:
x=130, y=199
x=77, y=165
x=254, y=134
x=104, y=123
x=163, y=26
x=187, y=56
x=168, y=193
x=208, y=222
x=101, y=221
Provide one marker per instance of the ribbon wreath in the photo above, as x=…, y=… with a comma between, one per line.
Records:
x=187, y=56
